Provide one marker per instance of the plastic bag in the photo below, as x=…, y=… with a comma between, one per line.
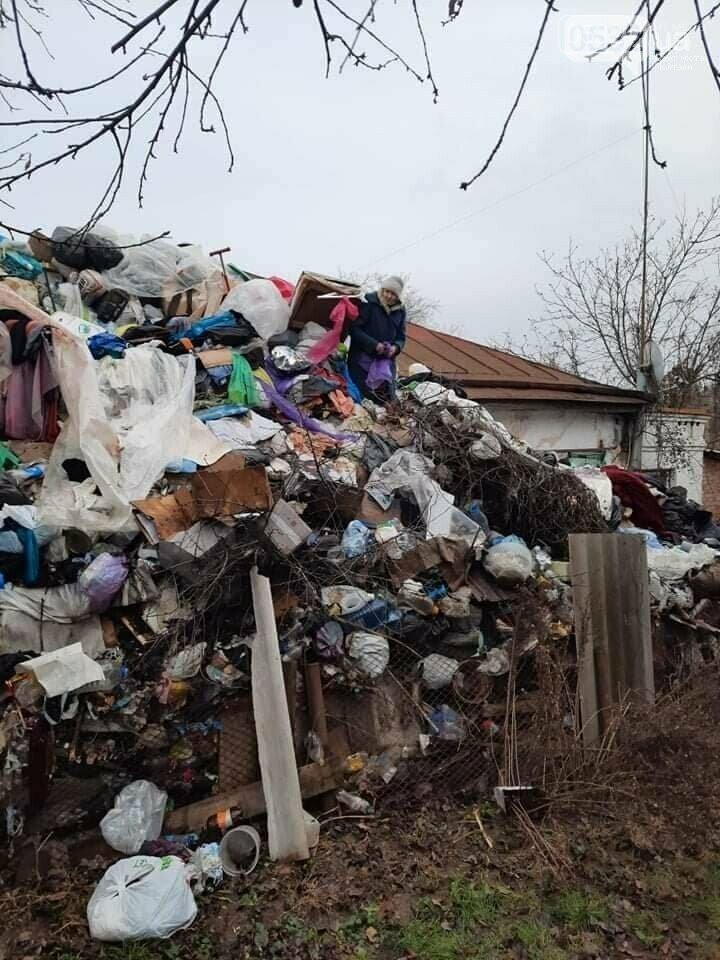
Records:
x=442, y=518
x=437, y=671
x=148, y=271
x=356, y=539
x=370, y=652
x=344, y=309
x=242, y=388
x=349, y=599
x=127, y=419
x=80, y=250
x=136, y=817
x=676, y=563
x=141, y=898
x=601, y=486
x=260, y=302
x=101, y=580
x=380, y=372
x=509, y=561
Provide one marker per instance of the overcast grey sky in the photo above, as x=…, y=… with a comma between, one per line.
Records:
x=361, y=171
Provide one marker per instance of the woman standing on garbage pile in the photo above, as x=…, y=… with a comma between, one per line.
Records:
x=376, y=338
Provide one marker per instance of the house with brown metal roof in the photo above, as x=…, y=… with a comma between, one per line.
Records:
x=581, y=420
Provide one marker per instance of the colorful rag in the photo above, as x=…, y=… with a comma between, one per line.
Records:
x=343, y=309
x=242, y=388
x=292, y=413
x=344, y=405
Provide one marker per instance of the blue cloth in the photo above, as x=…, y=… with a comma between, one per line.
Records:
x=197, y=331
x=224, y=410
x=106, y=345
x=374, y=325
x=352, y=389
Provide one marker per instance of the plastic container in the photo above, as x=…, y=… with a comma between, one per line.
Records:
x=240, y=851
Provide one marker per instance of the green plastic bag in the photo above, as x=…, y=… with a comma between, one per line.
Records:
x=242, y=388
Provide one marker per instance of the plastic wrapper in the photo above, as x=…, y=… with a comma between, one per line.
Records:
x=136, y=817
x=141, y=898
x=260, y=302
x=102, y=579
x=127, y=419
x=509, y=561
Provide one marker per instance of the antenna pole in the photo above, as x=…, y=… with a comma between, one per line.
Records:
x=643, y=326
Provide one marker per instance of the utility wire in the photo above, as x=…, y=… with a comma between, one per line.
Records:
x=495, y=203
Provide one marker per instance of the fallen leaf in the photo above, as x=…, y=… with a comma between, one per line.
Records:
x=371, y=935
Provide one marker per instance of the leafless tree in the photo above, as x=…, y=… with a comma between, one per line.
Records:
x=162, y=79
x=591, y=319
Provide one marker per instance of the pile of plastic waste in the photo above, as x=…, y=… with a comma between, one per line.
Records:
x=172, y=424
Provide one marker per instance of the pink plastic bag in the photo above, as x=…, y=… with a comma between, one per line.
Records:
x=344, y=309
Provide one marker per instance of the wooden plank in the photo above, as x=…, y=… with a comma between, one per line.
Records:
x=287, y=837
x=612, y=625
x=315, y=779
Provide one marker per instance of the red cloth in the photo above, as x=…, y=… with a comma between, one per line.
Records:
x=633, y=492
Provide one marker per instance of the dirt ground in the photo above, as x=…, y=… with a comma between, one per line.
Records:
x=625, y=866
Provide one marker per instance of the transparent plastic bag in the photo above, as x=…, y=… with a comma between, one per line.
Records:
x=356, y=539
x=261, y=303
x=509, y=561
x=126, y=420
x=136, y=817
x=161, y=269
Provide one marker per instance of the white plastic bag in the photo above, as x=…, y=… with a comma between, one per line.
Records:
x=437, y=671
x=370, y=652
x=675, y=563
x=136, y=817
x=141, y=898
x=509, y=561
x=261, y=303
x=600, y=484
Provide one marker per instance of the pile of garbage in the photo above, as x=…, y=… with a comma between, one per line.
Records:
x=174, y=427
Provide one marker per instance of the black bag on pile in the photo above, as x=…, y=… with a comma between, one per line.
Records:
x=83, y=251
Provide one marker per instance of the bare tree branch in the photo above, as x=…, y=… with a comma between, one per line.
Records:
x=548, y=10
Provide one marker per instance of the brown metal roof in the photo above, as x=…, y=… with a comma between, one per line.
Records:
x=489, y=374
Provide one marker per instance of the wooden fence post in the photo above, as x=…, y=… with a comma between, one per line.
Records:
x=611, y=597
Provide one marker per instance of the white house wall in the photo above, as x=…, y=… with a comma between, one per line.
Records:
x=563, y=428
x=678, y=449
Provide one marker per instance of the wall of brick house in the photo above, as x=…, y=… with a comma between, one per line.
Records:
x=711, y=485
